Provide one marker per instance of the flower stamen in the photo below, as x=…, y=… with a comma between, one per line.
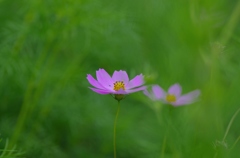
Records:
x=170, y=98
x=119, y=85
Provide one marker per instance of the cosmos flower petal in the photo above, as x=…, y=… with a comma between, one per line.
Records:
x=94, y=82
x=105, y=84
x=158, y=92
x=120, y=76
x=173, y=96
x=146, y=92
x=136, y=89
x=100, y=91
x=175, y=89
x=187, y=98
x=104, y=79
x=135, y=82
x=150, y=95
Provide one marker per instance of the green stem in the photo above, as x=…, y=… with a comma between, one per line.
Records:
x=114, y=131
x=230, y=123
x=216, y=154
x=164, y=144
x=231, y=25
x=168, y=120
x=235, y=143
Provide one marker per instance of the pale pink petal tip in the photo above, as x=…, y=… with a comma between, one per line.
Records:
x=147, y=93
x=135, y=82
x=120, y=76
x=94, y=82
x=100, y=91
x=158, y=92
x=104, y=78
x=136, y=89
x=188, y=98
x=175, y=89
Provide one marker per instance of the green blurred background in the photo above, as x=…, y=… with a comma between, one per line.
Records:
x=47, y=47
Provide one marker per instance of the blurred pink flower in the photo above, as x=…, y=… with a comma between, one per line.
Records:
x=119, y=84
x=173, y=96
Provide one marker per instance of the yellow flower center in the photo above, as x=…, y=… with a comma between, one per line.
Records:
x=119, y=85
x=171, y=98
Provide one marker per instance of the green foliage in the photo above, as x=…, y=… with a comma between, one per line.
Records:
x=47, y=47
x=10, y=153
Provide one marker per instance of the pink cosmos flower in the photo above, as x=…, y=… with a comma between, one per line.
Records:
x=173, y=96
x=119, y=84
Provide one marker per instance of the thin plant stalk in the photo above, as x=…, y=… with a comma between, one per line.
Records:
x=226, y=133
x=235, y=143
x=114, y=131
x=230, y=124
x=231, y=25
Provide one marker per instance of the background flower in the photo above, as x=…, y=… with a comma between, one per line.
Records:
x=173, y=96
